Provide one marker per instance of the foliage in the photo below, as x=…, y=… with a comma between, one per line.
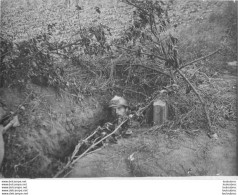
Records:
x=88, y=58
x=219, y=96
x=149, y=51
x=76, y=50
x=227, y=18
x=38, y=59
x=28, y=60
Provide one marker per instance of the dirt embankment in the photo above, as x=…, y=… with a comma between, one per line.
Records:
x=171, y=153
x=51, y=125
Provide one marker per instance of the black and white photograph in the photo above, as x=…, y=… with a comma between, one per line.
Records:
x=118, y=89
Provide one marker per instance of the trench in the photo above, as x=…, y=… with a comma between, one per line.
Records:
x=51, y=125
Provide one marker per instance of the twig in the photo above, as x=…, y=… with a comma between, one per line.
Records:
x=18, y=107
x=145, y=107
x=130, y=90
x=52, y=124
x=153, y=129
x=186, y=115
x=16, y=166
x=140, y=93
x=69, y=93
x=68, y=45
x=199, y=59
x=93, y=151
x=138, y=7
x=92, y=146
x=85, y=154
x=156, y=56
x=23, y=103
x=60, y=54
x=148, y=67
x=91, y=135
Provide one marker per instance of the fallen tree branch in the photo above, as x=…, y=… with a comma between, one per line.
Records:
x=60, y=54
x=67, y=45
x=152, y=129
x=150, y=68
x=130, y=90
x=199, y=59
x=73, y=161
x=210, y=131
x=156, y=56
x=138, y=7
x=85, y=154
x=185, y=116
x=145, y=107
x=27, y=162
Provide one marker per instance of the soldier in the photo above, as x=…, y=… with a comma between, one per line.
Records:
x=121, y=109
x=2, y=113
x=13, y=123
x=1, y=145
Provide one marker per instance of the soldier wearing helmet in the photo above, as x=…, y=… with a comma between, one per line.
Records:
x=120, y=107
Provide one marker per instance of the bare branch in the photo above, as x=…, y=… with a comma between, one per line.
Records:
x=199, y=59
x=70, y=163
x=138, y=7
x=67, y=45
x=126, y=89
x=210, y=131
x=156, y=56
x=148, y=67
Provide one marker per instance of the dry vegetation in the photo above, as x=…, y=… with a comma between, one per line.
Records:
x=83, y=53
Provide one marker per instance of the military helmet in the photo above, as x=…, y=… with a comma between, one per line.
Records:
x=118, y=101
